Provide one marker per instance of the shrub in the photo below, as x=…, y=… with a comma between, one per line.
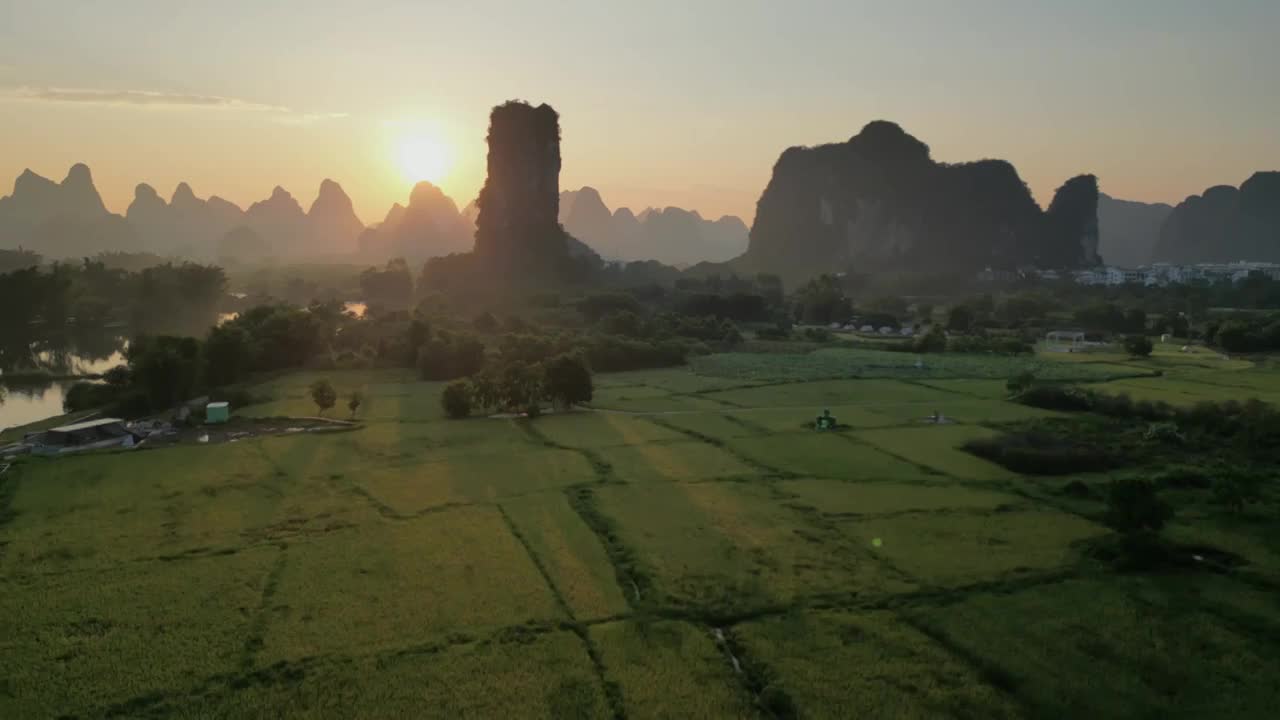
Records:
x=1057, y=397
x=1039, y=453
x=354, y=403
x=323, y=394
x=456, y=399
x=934, y=341
x=1133, y=506
x=1138, y=345
x=818, y=334
x=1237, y=488
x=1020, y=383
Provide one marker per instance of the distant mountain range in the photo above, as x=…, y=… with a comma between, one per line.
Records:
x=1225, y=224
x=670, y=235
x=1129, y=230
x=429, y=226
x=68, y=220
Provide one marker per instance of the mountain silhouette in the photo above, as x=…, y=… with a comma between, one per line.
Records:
x=1129, y=230
x=280, y=222
x=1225, y=224
x=186, y=225
x=58, y=220
x=430, y=226
x=674, y=236
x=334, y=227
x=880, y=202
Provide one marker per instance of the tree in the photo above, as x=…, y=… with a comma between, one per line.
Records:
x=323, y=394
x=960, y=319
x=164, y=368
x=1138, y=345
x=934, y=341
x=456, y=399
x=1235, y=489
x=1020, y=383
x=1133, y=507
x=357, y=399
x=567, y=380
x=227, y=354
x=1135, y=320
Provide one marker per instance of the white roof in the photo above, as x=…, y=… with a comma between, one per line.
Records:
x=218, y=405
x=86, y=425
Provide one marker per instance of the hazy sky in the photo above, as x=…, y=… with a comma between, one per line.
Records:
x=662, y=103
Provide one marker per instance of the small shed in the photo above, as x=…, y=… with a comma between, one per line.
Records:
x=88, y=435
x=217, y=412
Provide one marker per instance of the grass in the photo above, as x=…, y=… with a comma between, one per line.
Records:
x=828, y=455
x=961, y=548
x=615, y=564
x=937, y=447
x=1119, y=648
x=526, y=674
x=830, y=364
x=73, y=642
x=662, y=665
x=678, y=461
x=392, y=584
x=574, y=560
x=594, y=430
x=839, y=664
x=729, y=548
x=834, y=497
x=473, y=478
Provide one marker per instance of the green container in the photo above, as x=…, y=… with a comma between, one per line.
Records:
x=217, y=412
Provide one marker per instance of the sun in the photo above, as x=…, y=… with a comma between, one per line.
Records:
x=424, y=157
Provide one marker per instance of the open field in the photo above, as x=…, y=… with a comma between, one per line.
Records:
x=687, y=547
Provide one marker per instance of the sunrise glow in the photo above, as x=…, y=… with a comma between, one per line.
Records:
x=424, y=157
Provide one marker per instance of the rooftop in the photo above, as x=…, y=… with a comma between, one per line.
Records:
x=86, y=425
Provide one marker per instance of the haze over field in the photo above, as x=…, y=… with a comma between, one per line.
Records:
x=665, y=105
x=415, y=359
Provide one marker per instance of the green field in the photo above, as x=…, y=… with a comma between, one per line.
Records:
x=687, y=546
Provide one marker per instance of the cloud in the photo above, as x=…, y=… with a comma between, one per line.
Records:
x=138, y=97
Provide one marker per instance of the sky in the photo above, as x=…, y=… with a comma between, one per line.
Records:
x=661, y=103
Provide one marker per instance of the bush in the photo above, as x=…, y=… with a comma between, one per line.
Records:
x=1138, y=345
x=456, y=399
x=1020, y=383
x=1133, y=506
x=1057, y=397
x=934, y=341
x=1237, y=488
x=817, y=334
x=323, y=394
x=1038, y=453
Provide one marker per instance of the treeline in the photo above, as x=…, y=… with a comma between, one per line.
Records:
x=166, y=298
x=1245, y=334
x=163, y=371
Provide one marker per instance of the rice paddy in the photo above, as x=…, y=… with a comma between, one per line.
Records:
x=686, y=547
